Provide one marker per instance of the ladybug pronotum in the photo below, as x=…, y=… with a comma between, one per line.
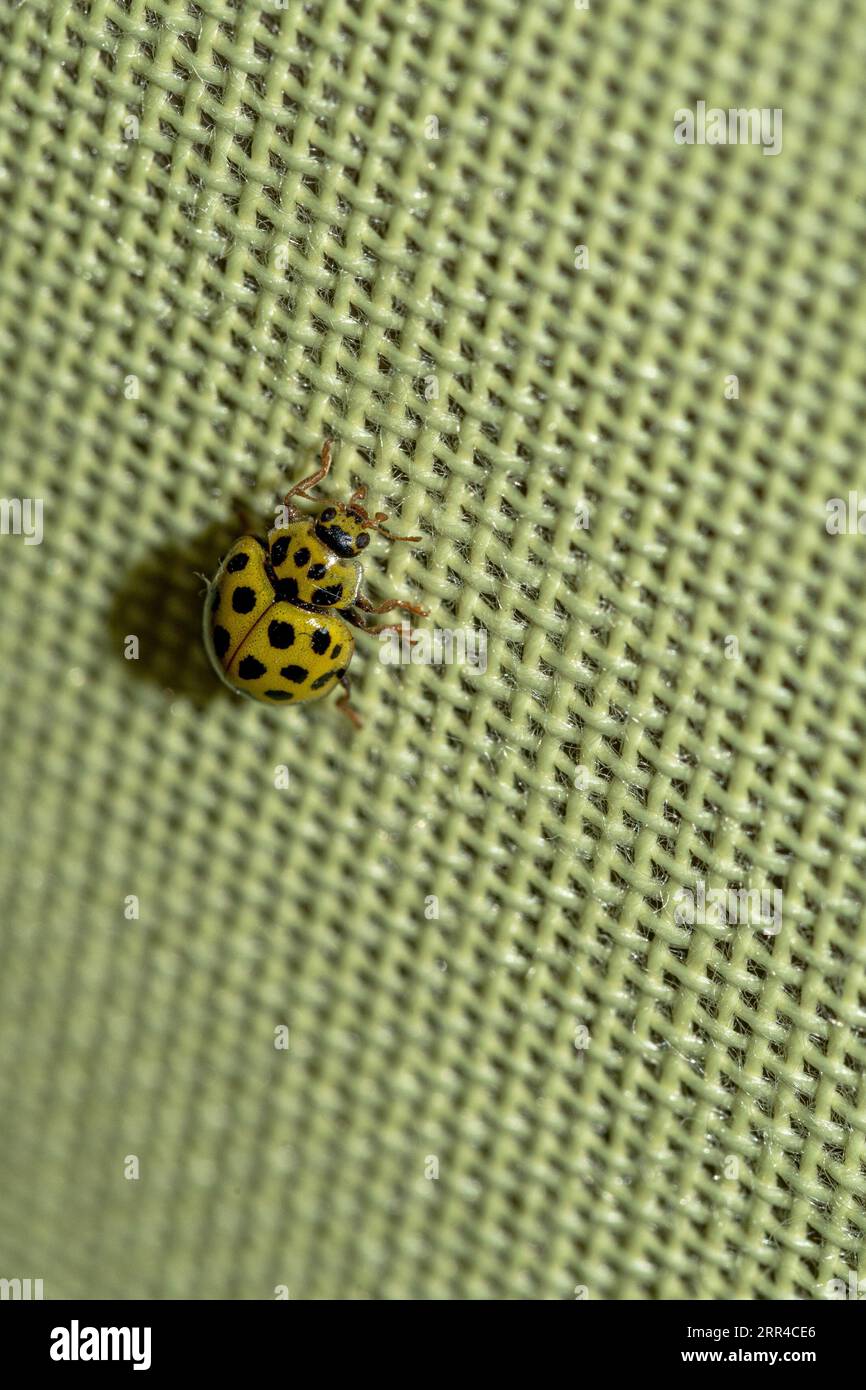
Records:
x=279, y=612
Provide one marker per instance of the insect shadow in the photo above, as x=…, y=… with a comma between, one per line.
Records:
x=160, y=601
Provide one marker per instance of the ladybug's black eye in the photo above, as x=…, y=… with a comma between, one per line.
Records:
x=328, y=514
x=362, y=541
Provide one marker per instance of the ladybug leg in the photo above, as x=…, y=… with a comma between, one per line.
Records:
x=352, y=617
x=301, y=489
x=347, y=709
x=377, y=627
x=389, y=604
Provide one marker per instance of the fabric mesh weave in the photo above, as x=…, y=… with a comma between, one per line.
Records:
x=226, y=232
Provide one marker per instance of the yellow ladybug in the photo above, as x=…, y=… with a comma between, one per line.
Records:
x=278, y=612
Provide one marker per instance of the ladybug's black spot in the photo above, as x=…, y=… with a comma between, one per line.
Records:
x=341, y=674
x=335, y=538
x=322, y=680
x=336, y=652
x=250, y=669
x=280, y=694
x=281, y=634
x=279, y=551
x=316, y=572
x=298, y=674
x=237, y=562
x=328, y=514
x=301, y=557
x=244, y=599
x=327, y=597
x=320, y=641
x=221, y=641
x=286, y=589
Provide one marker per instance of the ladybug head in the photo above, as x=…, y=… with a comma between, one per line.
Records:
x=345, y=527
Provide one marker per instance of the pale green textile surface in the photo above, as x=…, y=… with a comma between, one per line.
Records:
x=227, y=231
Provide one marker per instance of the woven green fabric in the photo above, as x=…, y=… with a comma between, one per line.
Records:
x=228, y=231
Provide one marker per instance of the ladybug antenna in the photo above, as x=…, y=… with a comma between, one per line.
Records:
x=356, y=504
x=377, y=523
